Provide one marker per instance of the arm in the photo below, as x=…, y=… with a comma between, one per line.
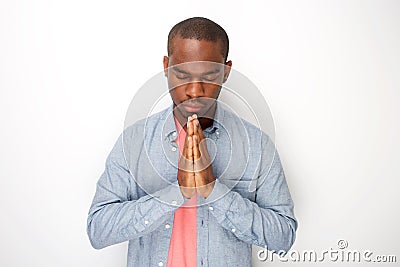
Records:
x=269, y=221
x=117, y=214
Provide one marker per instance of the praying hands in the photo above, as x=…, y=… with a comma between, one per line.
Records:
x=195, y=171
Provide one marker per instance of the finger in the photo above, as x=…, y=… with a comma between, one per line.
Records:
x=185, y=148
x=184, y=162
x=190, y=126
x=196, y=151
x=198, y=130
x=205, y=159
x=194, y=123
x=190, y=148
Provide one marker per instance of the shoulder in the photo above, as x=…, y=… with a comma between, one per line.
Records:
x=140, y=127
x=236, y=123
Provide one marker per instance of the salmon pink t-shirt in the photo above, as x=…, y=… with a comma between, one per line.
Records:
x=183, y=245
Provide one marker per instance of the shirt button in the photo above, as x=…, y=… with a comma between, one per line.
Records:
x=167, y=226
x=174, y=134
x=160, y=263
x=173, y=148
x=233, y=230
x=217, y=132
x=146, y=222
x=210, y=208
x=174, y=202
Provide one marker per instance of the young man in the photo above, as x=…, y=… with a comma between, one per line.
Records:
x=193, y=185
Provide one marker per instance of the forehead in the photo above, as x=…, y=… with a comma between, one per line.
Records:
x=189, y=50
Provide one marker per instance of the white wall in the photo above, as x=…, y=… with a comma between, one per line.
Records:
x=69, y=69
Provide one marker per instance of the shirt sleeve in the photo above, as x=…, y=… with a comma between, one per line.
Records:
x=117, y=214
x=267, y=222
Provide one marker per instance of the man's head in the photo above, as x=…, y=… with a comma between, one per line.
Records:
x=196, y=66
x=201, y=29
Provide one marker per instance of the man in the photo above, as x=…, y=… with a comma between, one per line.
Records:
x=193, y=185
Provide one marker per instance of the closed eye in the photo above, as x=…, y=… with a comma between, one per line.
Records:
x=210, y=77
x=181, y=76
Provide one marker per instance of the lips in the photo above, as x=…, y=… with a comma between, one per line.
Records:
x=194, y=106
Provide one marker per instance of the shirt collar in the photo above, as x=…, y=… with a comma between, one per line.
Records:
x=170, y=128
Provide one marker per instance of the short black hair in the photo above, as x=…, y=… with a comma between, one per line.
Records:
x=199, y=28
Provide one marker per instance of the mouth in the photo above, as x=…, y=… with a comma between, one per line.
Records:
x=192, y=106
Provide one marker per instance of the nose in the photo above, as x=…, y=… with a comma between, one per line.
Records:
x=195, y=89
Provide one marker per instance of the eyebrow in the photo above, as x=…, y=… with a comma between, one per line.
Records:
x=185, y=72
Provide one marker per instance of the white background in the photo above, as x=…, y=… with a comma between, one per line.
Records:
x=69, y=69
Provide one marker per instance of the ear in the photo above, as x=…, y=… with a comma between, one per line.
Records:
x=166, y=63
x=227, y=70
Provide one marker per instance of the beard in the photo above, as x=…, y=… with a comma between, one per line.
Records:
x=202, y=107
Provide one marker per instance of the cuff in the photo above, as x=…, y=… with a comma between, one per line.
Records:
x=171, y=195
x=218, y=194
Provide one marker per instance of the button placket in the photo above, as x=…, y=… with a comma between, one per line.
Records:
x=203, y=213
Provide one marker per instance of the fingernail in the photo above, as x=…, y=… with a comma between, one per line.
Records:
x=189, y=118
x=195, y=116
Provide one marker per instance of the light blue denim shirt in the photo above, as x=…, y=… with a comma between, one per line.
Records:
x=137, y=194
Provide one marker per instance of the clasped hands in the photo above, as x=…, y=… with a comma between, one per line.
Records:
x=195, y=173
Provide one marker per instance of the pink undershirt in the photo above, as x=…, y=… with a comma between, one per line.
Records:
x=183, y=245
